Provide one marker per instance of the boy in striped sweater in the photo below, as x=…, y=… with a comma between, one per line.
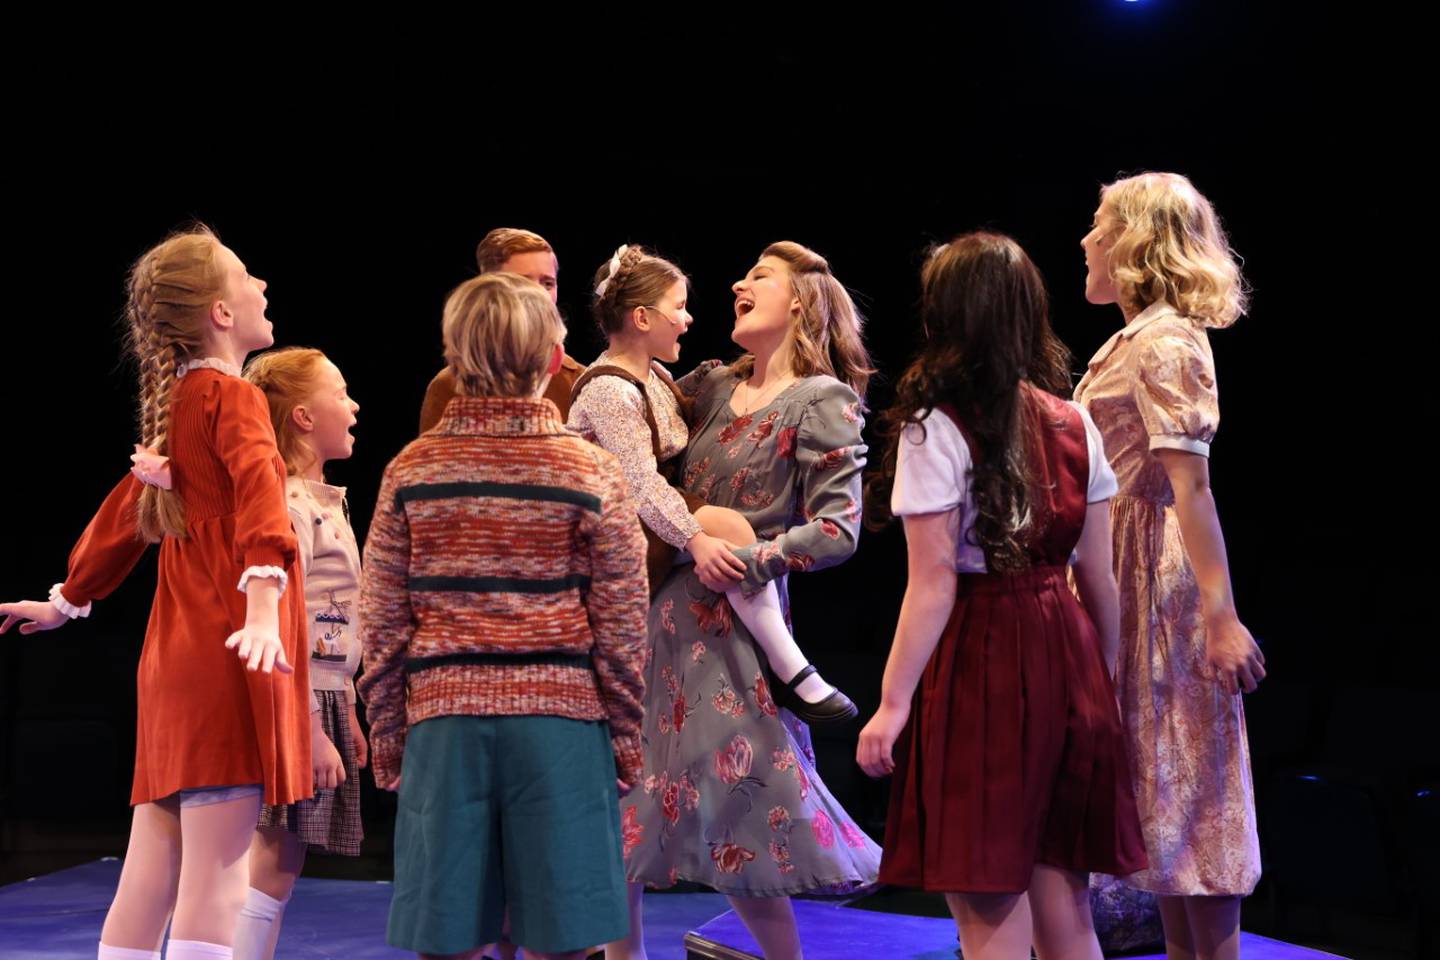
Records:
x=503, y=614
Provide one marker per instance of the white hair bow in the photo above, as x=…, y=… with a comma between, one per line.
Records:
x=614, y=267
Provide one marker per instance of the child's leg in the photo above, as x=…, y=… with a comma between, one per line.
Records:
x=633, y=946
x=765, y=619
x=761, y=613
x=148, y=880
x=277, y=855
x=214, y=872
x=993, y=926
x=1064, y=928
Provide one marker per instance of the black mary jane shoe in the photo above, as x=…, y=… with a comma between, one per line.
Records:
x=836, y=708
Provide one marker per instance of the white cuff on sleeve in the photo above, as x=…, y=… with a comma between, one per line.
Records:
x=1162, y=442
x=275, y=572
x=57, y=599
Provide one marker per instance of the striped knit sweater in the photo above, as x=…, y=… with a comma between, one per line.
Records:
x=504, y=575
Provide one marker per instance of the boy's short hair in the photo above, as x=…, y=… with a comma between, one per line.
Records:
x=502, y=243
x=499, y=329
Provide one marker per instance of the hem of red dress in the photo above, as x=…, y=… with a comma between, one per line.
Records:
x=935, y=886
x=266, y=798
x=956, y=886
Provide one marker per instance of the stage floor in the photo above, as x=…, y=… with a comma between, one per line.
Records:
x=830, y=931
x=58, y=917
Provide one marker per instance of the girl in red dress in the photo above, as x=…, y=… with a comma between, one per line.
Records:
x=1009, y=765
x=214, y=736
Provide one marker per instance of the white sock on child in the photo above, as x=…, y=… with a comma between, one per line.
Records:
x=766, y=621
x=125, y=953
x=258, y=928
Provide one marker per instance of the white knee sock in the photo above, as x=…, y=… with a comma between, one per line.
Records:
x=125, y=953
x=258, y=927
x=766, y=622
x=197, y=950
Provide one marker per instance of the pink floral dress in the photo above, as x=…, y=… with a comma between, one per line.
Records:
x=1152, y=387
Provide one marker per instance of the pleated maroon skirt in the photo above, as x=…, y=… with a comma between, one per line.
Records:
x=1014, y=754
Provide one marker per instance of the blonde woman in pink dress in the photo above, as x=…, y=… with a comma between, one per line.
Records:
x=1157, y=251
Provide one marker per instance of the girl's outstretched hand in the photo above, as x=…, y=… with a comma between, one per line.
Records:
x=37, y=615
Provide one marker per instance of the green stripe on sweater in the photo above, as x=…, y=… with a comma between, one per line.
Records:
x=512, y=491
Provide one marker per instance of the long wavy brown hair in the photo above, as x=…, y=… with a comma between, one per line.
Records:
x=986, y=319
x=829, y=333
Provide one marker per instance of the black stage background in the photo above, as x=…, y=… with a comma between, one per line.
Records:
x=356, y=171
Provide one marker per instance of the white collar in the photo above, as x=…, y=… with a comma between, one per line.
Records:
x=1142, y=320
x=211, y=363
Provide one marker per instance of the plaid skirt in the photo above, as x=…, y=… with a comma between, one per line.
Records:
x=329, y=822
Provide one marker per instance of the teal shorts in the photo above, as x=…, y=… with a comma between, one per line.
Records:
x=507, y=812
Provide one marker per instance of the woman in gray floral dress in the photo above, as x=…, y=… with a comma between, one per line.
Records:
x=730, y=796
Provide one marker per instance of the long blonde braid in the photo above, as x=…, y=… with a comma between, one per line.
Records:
x=171, y=289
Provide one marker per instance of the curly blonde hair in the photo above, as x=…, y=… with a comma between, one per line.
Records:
x=1171, y=247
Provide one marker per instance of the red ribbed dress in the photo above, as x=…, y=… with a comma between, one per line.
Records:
x=203, y=720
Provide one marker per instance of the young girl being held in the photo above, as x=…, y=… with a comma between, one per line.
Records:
x=628, y=404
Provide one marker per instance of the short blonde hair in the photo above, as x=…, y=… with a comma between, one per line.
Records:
x=1171, y=247
x=502, y=243
x=499, y=329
